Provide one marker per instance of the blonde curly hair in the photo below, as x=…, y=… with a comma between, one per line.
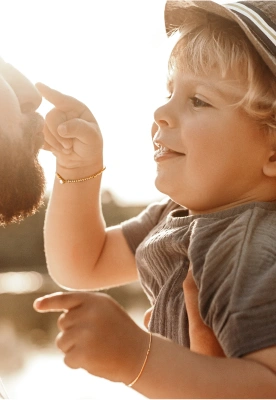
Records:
x=208, y=42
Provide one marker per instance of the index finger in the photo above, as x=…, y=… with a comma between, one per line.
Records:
x=61, y=101
x=56, y=302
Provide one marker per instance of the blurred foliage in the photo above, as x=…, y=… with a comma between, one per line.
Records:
x=21, y=245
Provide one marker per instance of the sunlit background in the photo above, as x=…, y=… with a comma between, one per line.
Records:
x=108, y=54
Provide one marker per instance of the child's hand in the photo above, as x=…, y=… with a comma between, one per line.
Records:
x=71, y=132
x=202, y=338
x=97, y=335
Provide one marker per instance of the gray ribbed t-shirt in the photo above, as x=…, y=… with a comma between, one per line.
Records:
x=233, y=254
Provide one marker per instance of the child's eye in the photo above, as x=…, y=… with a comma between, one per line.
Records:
x=197, y=103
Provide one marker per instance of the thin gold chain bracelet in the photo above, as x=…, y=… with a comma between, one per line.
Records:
x=144, y=363
x=62, y=181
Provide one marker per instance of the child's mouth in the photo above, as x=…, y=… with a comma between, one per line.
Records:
x=163, y=151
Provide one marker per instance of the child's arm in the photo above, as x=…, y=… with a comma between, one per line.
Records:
x=97, y=335
x=80, y=252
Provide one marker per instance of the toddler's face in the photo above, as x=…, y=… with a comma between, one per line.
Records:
x=209, y=155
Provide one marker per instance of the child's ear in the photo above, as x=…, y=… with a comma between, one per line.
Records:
x=269, y=168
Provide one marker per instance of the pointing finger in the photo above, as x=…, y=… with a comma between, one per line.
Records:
x=58, y=99
x=65, y=103
x=58, y=302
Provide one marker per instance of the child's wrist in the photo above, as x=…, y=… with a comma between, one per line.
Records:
x=63, y=180
x=144, y=363
x=137, y=357
x=79, y=172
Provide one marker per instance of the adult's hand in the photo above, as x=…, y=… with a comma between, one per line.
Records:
x=202, y=338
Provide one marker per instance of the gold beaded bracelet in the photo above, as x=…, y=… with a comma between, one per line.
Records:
x=143, y=366
x=62, y=180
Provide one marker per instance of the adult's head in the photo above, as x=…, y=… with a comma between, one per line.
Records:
x=21, y=177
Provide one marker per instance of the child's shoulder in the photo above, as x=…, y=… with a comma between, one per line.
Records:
x=252, y=217
x=258, y=221
x=254, y=228
x=247, y=234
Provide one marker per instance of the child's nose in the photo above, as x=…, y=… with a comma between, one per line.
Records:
x=164, y=116
x=28, y=96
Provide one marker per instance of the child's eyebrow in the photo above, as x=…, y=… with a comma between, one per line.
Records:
x=222, y=88
x=216, y=90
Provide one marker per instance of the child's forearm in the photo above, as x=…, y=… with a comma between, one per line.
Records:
x=97, y=335
x=81, y=253
x=74, y=229
x=176, y=372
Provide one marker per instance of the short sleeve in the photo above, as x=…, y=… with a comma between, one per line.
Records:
x=137, y=228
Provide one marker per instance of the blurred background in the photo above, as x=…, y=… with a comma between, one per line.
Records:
x=30, y=365
x=107, y=54
x=110, y=55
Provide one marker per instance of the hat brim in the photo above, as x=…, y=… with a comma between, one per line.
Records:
x=175, y=10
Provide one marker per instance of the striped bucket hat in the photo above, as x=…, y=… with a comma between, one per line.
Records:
x=256, y=18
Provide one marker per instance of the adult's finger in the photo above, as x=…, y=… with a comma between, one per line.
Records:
x=58, y=302
x=203, y=339
x=191, y=295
